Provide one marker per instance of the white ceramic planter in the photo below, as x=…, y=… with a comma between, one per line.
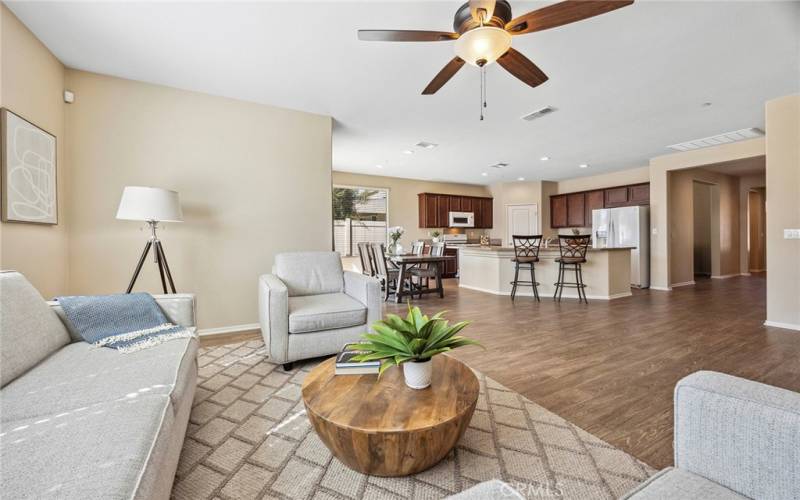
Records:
x=418, y=375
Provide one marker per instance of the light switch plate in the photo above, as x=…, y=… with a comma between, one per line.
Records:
x=791, y=234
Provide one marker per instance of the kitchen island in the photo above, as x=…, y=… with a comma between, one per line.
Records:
x=606, y=272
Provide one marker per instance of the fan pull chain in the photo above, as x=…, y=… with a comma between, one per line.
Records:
x=483, y=90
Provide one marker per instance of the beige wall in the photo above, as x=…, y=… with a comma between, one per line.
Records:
x=659, y=195
x=31, y=85
x=403, y=202
x=783, y=211
x=620, y=178
x=254, y=180
x=520, y=193
x=725, y=217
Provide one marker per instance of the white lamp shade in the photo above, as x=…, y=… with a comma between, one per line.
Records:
x=486, y=43
x=150, y=204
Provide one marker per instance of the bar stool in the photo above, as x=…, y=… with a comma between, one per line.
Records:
x=573, y=254
x=526, y=254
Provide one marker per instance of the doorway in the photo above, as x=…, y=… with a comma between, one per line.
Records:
x=756, y=231
x=521, y=219
x=706, y=221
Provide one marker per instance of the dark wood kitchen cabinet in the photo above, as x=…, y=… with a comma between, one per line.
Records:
x=594, y=200
x=558, y=211
x=639, y=194
x=450, y=266
x=576, y=210
x=435, y=208
x=616, y=197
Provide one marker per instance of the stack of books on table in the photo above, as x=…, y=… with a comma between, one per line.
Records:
x=346, y=366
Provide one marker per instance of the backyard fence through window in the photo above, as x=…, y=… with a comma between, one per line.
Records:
x=359, y=215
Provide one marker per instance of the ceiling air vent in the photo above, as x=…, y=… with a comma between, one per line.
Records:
x=501, y=164
x=426, y=145
x=539, y=113
x=716, y=140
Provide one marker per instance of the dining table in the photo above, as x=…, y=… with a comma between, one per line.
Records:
x=406, y=261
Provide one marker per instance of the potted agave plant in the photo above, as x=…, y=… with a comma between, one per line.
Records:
x=412, y=342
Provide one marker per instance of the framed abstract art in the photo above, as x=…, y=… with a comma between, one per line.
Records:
x=28, y=156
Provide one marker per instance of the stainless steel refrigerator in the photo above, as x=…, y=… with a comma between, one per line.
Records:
x=626, y=227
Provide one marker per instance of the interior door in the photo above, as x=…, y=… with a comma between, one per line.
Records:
x=521, y=219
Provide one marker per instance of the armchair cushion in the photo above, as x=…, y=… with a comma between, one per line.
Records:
x=310, y=273
x=314, y=313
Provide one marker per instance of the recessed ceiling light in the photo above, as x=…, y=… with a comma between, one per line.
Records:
x=544, y=158
x=378, y=166
x=408, y=152
x=484, y=174
x=583, y=165
x=520, y=178
x=426, y=145
x=706, y=104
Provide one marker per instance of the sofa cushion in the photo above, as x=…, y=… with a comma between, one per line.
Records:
x=102, y=451
x=310, y=273
x=678, y=483
x=29, y=330
x=80, y=375
x=314, y=313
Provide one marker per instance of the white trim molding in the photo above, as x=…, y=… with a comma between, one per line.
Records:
x=725, y=276
x=777, y=324
x=661, y=288
x=207, y=332
x=683, y=283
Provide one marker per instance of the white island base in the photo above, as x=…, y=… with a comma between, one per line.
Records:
x=606, y=274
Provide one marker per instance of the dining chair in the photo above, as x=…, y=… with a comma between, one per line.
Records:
x=573, y=253
x=526, y=255
x=427, y=271
x=418, y=247
x=366, y=260
x=387, y=277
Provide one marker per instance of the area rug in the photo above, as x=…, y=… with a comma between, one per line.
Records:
x=249, y=437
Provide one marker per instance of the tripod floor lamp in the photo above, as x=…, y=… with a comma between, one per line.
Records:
x=152, y=205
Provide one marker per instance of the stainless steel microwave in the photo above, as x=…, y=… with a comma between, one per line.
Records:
x=462, y=219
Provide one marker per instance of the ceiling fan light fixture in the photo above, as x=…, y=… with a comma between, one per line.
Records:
x=483, y=45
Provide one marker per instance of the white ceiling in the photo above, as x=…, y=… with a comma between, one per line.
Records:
x=756, y=165
x=625, y=84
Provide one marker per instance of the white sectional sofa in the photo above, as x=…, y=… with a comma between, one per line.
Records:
x=80, y=422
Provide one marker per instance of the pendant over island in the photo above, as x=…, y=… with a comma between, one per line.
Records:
x=606, y=273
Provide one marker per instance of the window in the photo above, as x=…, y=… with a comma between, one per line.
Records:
x=359, y=215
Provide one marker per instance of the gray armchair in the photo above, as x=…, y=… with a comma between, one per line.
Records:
x=310, y=307
x=734, y=438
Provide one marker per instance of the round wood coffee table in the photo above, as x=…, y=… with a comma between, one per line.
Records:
x=384, y=428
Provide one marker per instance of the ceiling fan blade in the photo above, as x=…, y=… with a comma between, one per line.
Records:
x=476, y=5
x=405, y=36
x=443, y=76
x=562, y=13
x=522, y=67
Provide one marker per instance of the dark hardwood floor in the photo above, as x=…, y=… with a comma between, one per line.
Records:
x=610, y=366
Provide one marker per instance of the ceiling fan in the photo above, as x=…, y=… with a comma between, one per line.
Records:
x=483, y=31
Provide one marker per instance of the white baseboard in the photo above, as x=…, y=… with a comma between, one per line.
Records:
x=777, y=324
x=724, y=276
x=684, y=283
x=757, y=271
x=661, y=288
x=744, y=274
x=207, y=332
x=565, y=294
